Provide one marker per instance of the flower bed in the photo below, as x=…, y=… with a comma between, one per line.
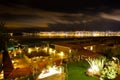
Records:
x=103, y=68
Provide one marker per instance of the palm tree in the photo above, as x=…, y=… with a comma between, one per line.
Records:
x=2, y=30
x=6, y=61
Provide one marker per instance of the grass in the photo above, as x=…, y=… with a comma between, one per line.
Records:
x=77, y=71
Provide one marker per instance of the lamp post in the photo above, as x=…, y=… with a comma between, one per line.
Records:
x=61, y=56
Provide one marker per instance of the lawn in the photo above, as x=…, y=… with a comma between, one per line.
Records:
x=77, y=71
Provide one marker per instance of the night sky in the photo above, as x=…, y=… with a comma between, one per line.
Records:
x=60, y=15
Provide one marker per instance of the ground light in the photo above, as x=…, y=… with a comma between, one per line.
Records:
x=1, y=75
x=51, y=71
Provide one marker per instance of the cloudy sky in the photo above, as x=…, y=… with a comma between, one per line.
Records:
x=60, y=15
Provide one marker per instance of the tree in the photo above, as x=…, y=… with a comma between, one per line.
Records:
x=1, y=35
x=7, y=63
x=4, y=37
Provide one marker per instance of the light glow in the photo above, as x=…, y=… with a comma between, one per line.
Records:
x=2, y=75
x=51, y=71
x=29, y=50
x=94, y=69
x=61, y=54
x=45, y=49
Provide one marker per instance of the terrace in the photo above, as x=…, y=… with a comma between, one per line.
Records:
x=31, y=62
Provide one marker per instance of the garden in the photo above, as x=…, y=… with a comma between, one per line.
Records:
x=77, y=71
x=93, y=69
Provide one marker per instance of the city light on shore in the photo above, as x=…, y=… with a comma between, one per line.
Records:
x=73, y=34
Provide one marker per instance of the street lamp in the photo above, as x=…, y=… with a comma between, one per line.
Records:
x=61, y=55
x=54, y=51
x=29, y=50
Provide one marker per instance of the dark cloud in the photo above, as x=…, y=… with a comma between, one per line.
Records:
x=48, y=15
x=66, y=5
x=99, y=25
x=13, y=17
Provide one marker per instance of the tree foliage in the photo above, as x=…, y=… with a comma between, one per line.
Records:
x=4, y=37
